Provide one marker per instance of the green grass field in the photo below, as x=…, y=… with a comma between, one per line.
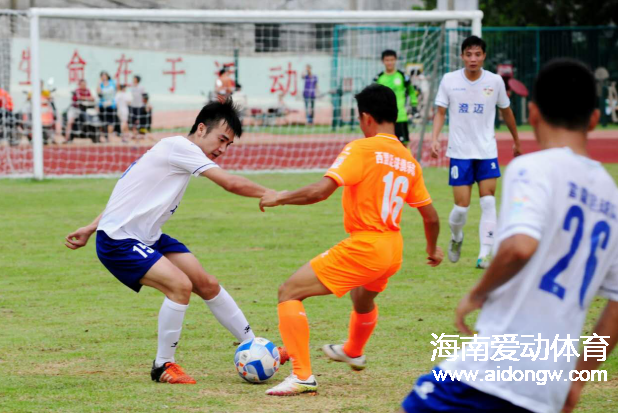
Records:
x=75, y=340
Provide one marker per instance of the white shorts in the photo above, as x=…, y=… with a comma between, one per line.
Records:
x=123, y=115
x=73, y=113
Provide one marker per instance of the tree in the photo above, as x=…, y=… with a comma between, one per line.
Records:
x=545, y=12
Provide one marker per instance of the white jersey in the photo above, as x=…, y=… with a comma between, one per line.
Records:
x=569, y=204
x=472, y=111
x=149, y=191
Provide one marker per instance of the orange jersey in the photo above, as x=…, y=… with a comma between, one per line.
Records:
x=379, y=175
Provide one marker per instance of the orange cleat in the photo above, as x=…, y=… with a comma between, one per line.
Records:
x=283, y=355
x=170, y=373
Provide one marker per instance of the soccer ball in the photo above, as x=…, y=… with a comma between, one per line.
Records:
x=256, y=360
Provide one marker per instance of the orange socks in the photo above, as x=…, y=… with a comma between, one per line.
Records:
x=294, y=329
x=361, y=327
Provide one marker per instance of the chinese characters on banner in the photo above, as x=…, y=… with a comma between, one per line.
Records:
x=123, y=70
x=76, y=68
x=283, y=81
x=24, y=66
x=174, y=72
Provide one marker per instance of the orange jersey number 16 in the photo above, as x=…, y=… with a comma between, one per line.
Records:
x=392, y=202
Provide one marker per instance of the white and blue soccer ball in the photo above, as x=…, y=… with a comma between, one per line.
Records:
x=256, y=360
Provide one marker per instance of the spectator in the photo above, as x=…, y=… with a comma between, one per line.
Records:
x=240, y=98
x=136, y=107
x=123, y=98
x=309, y=92
x=224, y=85
x=80, y=95
x=6, y=115
x=399, y=83
x=107, y=103
x=6, y=102
x=147, y=115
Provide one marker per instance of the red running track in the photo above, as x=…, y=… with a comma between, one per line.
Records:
x=102, y=159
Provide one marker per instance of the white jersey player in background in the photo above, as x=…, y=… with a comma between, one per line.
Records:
x=131, y=245
x=557, y=248
x=471, y=95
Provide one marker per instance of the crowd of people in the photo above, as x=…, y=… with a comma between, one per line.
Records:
x=116, y=110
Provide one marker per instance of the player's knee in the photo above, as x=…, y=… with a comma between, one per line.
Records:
x=181, y=290
x=207, y=288
x=287, y=292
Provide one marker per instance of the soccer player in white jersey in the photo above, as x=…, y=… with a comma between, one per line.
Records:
x=131, y=245
x=557, y=247
x=471, y=95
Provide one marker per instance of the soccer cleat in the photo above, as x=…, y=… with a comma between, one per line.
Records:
x=335, y=352
x=483, y=263
x=454, y=250
x=283, y=355
x=170, y=373
x=293, y=386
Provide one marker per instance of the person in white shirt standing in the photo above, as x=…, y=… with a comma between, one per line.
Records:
x=557, y=248
x=123, y=98
x=131, y=245
x=471, y=95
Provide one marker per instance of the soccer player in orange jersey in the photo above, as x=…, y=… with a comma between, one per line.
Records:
x=379, y=175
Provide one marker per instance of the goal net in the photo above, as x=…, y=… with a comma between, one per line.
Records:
x=114, y=82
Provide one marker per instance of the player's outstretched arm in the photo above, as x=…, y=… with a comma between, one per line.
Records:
x=235, y=184
x=431, y=221
x=79, y=238
x=509, y=119
x=438, y=122
x=606, y=326
x=513, y=254
x=309, y=194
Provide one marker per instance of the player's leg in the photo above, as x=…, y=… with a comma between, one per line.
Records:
x=171, y=281
x=385, y=257
x=487, y=173
x=218, y=300
x=461, y=179
x=363, y=320
x=400, y=131
x=135, y=265
x=294, y=329
x=405, y=134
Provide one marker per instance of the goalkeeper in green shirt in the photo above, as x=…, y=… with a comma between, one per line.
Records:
x=399, y=83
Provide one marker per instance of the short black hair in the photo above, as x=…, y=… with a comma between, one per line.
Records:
x=565, y=93
x=214, y=112
x=378, y=101
x=473, y=41
x=138, y=77
x=389, y=52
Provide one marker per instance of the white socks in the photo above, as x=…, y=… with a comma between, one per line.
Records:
x=171, y=316
x=226, y=311
x=487, y=226
x=457, y=220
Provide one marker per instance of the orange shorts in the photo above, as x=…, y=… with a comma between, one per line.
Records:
x=365, y=259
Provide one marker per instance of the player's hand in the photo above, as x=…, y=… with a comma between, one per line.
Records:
x=468, y=304
x=269, y=199
x=435, y=149
x=433, y=260
x=78, y=239
x=516, y=149
x=573, y=397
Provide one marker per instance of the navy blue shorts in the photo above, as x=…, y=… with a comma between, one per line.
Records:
x=469, y=171
x=448, y=395
x=129, y=260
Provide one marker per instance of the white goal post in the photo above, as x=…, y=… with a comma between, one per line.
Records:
x=35, y=15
